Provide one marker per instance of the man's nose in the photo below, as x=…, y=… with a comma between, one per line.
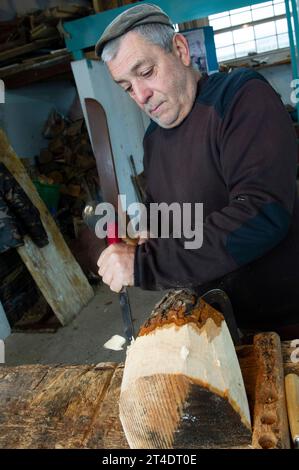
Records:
x=142, y=93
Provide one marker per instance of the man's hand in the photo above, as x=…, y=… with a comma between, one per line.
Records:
x=116, y=266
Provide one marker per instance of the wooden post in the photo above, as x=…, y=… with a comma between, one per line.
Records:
x=270, y=414
x=182, y=385
x=54, y=269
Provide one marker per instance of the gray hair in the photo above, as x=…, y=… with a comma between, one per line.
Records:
x=158, y=34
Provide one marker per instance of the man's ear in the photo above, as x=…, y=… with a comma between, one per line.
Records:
x=181, y=48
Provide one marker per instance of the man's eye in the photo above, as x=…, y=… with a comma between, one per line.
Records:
x=128, y=90
x=147, y=73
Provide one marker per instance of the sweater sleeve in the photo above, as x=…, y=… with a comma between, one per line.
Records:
x=258, y=156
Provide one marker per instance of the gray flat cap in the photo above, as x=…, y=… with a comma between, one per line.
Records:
x=140, y=14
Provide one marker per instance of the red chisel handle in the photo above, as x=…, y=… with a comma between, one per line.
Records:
x=112, y=238
x=112, y=233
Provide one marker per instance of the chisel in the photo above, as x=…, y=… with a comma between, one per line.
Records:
x=292, y=395
x=112, y=238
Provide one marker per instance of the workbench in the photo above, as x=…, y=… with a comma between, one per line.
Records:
x=76, y=406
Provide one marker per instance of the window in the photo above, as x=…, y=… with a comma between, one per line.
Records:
x=253, y=29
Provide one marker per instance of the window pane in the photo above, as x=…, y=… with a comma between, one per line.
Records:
x=261, y=5
x=223, y=39
x=220, y=23
x=283, y=40
x=244, y=48
x=241, y=18
x=239, y=10
x=282, y=26
x=266, y=44
x=243, y=34
x=225, y=53
x=261, y=13
x=265, y=29
x=279, y=9
x=218, y=15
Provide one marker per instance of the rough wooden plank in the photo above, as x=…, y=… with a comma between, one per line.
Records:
x=57, y=405
x=54, y=269
x=270, y=414
x=107, y=431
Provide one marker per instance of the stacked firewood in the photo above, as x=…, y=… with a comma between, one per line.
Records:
x=68, y=161
x=102, y=5
x=23, y=36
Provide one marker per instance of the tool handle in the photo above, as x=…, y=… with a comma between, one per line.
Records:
x=292, y=395
x=112, y=233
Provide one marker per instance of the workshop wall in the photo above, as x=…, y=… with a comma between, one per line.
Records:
x=26, y=110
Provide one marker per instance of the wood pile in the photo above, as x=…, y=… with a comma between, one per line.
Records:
x=102, y=5
x=36, y=39
x=68, y=161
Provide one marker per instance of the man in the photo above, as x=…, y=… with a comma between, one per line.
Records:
x=226, y=141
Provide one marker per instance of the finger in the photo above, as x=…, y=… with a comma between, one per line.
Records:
x=107, y=278
x=116, y=286
x=105, y=267
x=106, y=253
x=102, y=256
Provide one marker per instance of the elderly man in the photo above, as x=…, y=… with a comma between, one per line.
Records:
x=224, y=140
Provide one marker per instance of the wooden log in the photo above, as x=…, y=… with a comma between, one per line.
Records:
x=292, y=396
x=54, y=269
x=270, y=413
x=182, y=384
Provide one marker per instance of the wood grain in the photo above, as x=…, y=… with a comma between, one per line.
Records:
x=182, y=385
x=270, y=414
x=76, y=406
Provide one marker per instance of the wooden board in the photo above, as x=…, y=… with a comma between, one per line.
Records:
x=60, y=407
x=270, y=413
x=54, y=269
x=77, y=406
x=25, y=49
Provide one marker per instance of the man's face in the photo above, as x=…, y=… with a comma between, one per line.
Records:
x=161, y=83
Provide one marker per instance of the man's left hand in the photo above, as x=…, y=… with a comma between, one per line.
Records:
x=116, y=266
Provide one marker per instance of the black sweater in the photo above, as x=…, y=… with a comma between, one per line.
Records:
x=236, y=153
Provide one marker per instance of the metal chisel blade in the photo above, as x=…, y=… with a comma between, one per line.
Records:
x=126, y=315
